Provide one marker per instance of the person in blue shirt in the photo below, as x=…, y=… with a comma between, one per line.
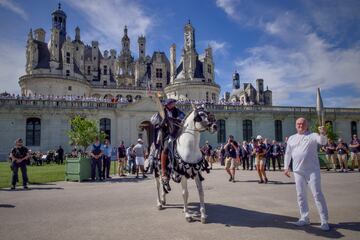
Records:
x=106, y=159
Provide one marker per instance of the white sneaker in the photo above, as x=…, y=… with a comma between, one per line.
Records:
x=302, y=222
x=325, y=227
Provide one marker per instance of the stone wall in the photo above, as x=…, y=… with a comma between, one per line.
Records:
x=126, y=120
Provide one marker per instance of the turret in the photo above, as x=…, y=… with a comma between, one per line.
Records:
x=32, y=56
x=260, y=91
x=236, y=80
x=77, y=34
x=125, y=42
x=189, y=37
x=59, y=22
x=40, y=35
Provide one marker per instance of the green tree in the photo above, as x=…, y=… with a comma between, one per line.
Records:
x=84, y=131
x=329, y=130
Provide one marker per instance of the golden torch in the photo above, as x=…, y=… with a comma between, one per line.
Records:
x=320, y=108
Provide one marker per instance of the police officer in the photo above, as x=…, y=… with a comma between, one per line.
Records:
x=96, y=157
x=19, y=156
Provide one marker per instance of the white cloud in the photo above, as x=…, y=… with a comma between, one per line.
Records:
x=14, y=7
x=12, y=65
x=229, y=6
x=333, y=17
x=302, y=61
x=218, y=47
x=108, y=20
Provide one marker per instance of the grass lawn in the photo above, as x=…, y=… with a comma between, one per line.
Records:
x=37, y=174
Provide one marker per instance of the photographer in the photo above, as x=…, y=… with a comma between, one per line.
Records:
x=19, y=156
x=230, y=160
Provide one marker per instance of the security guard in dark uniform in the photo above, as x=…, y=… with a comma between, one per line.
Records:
x=19, y=158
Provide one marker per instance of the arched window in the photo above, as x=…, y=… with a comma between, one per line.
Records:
x=247, y=130
x=138, y=97
x=108, y=96
x=119, y=96
x=88, y=70
x=353, y=128
x=129, y=98
x=278, y=130
x=105, y=70
x=33, y=131
x=105, y=126
x=221, y=133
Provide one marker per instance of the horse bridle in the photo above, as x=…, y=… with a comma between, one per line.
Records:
x=198, y=118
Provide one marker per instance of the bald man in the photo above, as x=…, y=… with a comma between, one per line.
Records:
x=302, y=147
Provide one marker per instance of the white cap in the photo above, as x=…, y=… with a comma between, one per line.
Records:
x=140, y=140
x=259, y=137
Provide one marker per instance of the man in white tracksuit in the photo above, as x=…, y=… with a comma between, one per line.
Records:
x=303, y=149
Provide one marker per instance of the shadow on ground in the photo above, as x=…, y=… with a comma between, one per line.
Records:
x=20, y=189
x=7, y=206
x=238, y=217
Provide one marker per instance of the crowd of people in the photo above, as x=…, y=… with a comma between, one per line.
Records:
x=123, y=100
x=130, y=159
x=263, y=155
x=63, y=98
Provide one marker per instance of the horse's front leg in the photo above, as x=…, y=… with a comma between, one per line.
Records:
x=185, y=194
x=201, y=197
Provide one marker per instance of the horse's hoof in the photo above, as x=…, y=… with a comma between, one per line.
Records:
x=163, y=202
x=189, y=219
x=203, y=220
x=160, y=207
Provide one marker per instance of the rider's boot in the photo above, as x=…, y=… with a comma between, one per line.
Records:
x=164, y=177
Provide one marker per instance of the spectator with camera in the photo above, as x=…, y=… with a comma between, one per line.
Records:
x=231, y=155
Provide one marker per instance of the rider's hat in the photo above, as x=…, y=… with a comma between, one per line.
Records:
x=169, y=101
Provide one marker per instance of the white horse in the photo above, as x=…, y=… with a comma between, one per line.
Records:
x=189, y=161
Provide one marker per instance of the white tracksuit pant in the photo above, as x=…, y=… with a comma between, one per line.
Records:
x=313, y=180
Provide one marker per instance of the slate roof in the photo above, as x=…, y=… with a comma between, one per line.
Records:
x=44, y=55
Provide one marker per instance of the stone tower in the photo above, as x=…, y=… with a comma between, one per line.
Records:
x=58, y=36
x=260, y=91
x=125, y=43
x=189, y=54
x=142, y=45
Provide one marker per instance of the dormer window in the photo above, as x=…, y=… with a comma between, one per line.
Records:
x=67, y=57
x=159, y=73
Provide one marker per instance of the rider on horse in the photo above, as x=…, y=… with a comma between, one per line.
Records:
x=168, y=130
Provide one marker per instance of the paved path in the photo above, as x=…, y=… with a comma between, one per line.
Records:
x=126, y=209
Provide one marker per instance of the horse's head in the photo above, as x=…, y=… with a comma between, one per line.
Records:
x=204, y=120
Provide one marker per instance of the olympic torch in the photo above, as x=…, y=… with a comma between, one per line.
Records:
x=320, y=108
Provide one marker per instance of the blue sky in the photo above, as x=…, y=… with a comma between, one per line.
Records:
x=294, y=45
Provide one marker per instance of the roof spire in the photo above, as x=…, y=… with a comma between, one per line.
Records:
x=59, y=6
